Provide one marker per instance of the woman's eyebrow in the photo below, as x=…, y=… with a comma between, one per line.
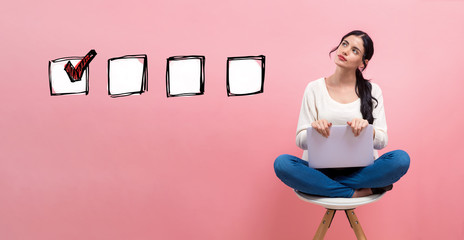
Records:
x=357, y=49
x=353, y=47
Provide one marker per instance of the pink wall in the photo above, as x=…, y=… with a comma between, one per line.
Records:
x=149, y=167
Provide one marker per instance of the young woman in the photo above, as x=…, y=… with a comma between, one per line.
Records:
x=344, y=97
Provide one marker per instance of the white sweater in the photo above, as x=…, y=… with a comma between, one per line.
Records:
x=317, y=104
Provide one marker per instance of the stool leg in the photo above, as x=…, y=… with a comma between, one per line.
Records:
x=355, y=224
x=325, y=224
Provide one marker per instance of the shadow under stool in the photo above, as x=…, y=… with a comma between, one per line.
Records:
x=334, y=204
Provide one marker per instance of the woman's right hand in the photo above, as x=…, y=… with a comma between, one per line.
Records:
x=322, y=127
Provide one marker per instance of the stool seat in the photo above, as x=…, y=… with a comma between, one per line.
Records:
x=334, y=204
x=338, y=203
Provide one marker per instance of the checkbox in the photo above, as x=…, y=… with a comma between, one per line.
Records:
x=245, y=75
x=185, y=76
x=59, y=79
x=127, y=75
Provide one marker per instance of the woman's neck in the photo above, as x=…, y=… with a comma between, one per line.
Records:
x=342, y=77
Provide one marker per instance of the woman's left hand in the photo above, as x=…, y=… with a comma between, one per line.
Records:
x=357, y=125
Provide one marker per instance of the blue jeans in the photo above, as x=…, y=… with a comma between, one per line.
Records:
x=341, y=182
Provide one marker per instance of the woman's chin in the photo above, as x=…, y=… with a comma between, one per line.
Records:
x=341, y=65
x=344, y=66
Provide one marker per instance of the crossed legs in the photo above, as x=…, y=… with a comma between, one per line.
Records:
x=385, y=170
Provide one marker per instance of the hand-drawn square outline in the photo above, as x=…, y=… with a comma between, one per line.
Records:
x=261, y=58
x=86, y=91
x=143, y=87
x=202, y=75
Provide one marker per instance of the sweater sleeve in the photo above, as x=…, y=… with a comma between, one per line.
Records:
x=380, y=122
x=308, y=114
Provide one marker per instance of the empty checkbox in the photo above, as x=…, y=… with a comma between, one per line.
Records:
x=185, y=76
x=127, y=75
x=245, y=75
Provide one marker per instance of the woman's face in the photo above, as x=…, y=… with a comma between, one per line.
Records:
x=350, y=52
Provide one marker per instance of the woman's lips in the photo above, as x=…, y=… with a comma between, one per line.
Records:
x=341, y=57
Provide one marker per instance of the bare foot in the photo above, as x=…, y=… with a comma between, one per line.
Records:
x=362, y=192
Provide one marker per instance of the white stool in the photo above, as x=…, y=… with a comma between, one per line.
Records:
x=334, y=204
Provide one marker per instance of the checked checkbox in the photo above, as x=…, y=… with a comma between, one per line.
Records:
x=60, y=83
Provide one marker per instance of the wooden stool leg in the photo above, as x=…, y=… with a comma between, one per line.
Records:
x=325, y=224
x=355, y=224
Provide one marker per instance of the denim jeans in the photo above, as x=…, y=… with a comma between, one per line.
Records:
x=341, y=182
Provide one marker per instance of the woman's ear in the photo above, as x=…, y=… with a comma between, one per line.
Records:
x=363, y=66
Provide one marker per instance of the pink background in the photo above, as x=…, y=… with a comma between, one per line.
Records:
x=151, y=167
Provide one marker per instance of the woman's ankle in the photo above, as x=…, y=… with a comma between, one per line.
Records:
x=362, y=192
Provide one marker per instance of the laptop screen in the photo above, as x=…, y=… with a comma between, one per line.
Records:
x=341, y=148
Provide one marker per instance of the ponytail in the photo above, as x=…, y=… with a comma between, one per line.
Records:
x=363, y=90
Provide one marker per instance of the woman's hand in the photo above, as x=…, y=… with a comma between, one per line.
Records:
x=357, y=125
x=322, y=127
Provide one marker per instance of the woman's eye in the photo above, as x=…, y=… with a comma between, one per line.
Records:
x=344, y=44
x=355, y=51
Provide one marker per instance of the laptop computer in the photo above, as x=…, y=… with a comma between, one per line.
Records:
x=341, y=149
